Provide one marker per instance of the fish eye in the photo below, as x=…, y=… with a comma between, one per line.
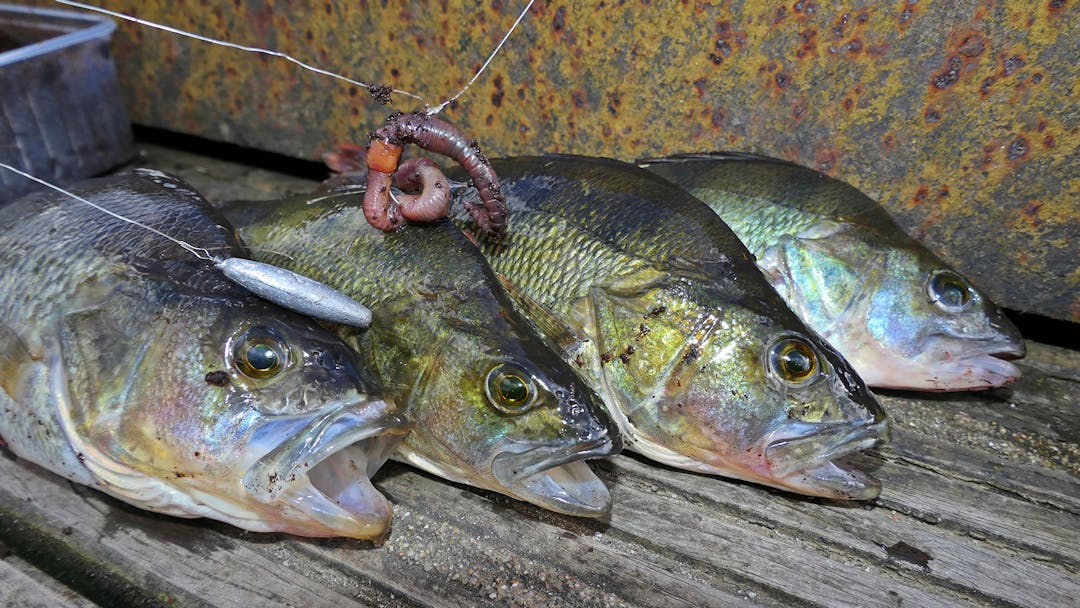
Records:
x=260, y=354
x=794, y=361
x=949, y=291
x=510, y=389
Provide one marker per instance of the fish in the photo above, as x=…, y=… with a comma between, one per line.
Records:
x=660, y=308
x=491, y=405
x=132, y=366
x=897, y=312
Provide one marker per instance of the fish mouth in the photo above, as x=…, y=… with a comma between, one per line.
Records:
x=995, y=364
x=979, y=368
x=556, y=477
x=1008, y=351
x=811, y=462
x=947, y=365
x=320, y=472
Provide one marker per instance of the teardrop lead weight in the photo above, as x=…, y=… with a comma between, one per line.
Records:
x=295, y=292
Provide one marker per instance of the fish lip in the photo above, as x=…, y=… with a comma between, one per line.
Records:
x=1005, y=345
x=823, y=446
x=836, y=479
x=951, y=363
x=1009, y=352
x=984, y=366
x=361, y=431
x=555, y=476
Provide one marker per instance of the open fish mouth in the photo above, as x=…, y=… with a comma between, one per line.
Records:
x=947, y=365
x=979, y=368
x=811, y=463
x=323, y=468
x=556, y=477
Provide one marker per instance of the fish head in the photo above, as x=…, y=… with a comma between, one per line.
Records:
x=948, y=333
x=708, y=383
x=896, y=311
x=240, y=411
x=497, y=408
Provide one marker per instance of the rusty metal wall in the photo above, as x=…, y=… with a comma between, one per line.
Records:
x=961, y=117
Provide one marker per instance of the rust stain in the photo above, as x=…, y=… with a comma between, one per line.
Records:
x=1031, y=213
x=892, y=97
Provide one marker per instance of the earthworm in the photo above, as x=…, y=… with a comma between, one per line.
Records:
x=439, y=136
x=388, y=213
x=379, y=209
x=433, y=201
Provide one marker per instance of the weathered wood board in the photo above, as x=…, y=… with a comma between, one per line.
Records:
x=981, y=507
x=24, y=586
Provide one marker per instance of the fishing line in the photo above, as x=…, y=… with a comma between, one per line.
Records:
x=278, y=285
x=439, y=108
x=286, y=288
x=431, y=111
x=233, y=45
x=199, y=252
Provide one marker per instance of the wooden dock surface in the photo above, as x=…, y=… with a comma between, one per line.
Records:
x=980, y=507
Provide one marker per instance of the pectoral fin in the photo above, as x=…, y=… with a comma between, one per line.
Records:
x=15, y=358
x=561, y=336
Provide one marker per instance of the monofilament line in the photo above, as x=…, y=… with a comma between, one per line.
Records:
x=277, y=285
x=431, y=111
x=199, y=252
x=232, y=45
x=439, y=108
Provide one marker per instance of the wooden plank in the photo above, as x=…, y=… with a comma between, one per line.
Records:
x=23, y=586
x=117, y=555
x=674, y=538
x=859, y=535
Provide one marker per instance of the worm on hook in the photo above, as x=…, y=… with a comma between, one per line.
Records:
x=385, y=211
x=434, y=135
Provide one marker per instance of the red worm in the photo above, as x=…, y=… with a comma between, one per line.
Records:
x=437, y=136
x=433, y=201
x=382, y=159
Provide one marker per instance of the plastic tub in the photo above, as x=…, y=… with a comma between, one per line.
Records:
x=61, y=114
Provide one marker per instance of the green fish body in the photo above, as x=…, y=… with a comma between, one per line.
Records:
x=130, y=365
x=894, y=309
x=490, y=404
x=662, y=310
